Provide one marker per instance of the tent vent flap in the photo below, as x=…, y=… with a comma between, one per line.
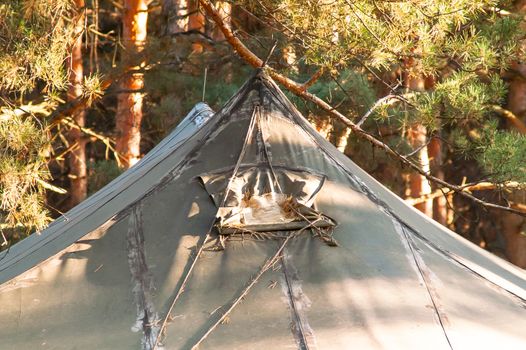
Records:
x=258, y=198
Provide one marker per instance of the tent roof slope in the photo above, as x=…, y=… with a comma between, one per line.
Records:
x=62, y=232
x=129, y=269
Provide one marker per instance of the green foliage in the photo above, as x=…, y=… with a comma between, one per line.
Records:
x=352, y=87
x=23, y=171
x=459, y=99
x=463, y=46
x=381, y=33
x=101, y=173
x=173, y=93
x=503, y=155
x=35, y=36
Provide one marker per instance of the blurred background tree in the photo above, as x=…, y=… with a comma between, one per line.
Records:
x=88, y=87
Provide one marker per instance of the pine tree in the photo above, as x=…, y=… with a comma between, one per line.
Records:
x=129, y=107
x=463, y=45
x=78, y=188
x=35, y=38
x=466, y=48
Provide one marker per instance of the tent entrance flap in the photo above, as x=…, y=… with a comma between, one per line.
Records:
x=261, y=199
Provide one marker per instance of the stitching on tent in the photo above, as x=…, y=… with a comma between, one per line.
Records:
x=300, y=326
x=147, y=318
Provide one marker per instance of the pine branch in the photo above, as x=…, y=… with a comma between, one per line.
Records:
x=70, y=108
x=296, y=88
x=514, y=120
x=312, y=80
x=104, y=139
x=481, y=186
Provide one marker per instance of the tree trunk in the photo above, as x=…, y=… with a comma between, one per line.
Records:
x=417, y=138
x=324, y=127
x=129, y=105
x=175, y=14
x=78, y=183
x=434, y=151
x=513, y=226
x=342, y=139
x=196, y=21
x=418, y=184
x=224, y=9
x=290, y=58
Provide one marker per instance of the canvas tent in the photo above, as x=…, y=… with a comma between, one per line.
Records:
x=313, y=253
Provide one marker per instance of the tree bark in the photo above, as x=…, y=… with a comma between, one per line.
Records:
x=434, y=151
x=417, y=138
x=418, y=184
x=343, y=139
x=196, y=21
x=324, y=127
x=129, y=104
x=224, y=8
x=78, y=183
x=514, y=228
x=175, y=13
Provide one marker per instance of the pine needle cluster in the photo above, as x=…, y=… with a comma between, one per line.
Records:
x=23, y=171
x=35, y=36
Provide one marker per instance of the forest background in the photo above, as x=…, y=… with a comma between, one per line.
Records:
x=427, y=96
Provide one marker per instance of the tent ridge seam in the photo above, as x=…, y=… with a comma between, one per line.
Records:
x=420, y=265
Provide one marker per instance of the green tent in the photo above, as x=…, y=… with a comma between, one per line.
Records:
x=246, y=229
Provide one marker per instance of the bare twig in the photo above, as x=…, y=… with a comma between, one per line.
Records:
x=297, y=89
x=268, y=264
x=514, y=120
x=384, y=101
x=104, y=139
x=181, y=289
x=481, y=186
x=312, y=80
x=196, y=32
x=270, y=52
